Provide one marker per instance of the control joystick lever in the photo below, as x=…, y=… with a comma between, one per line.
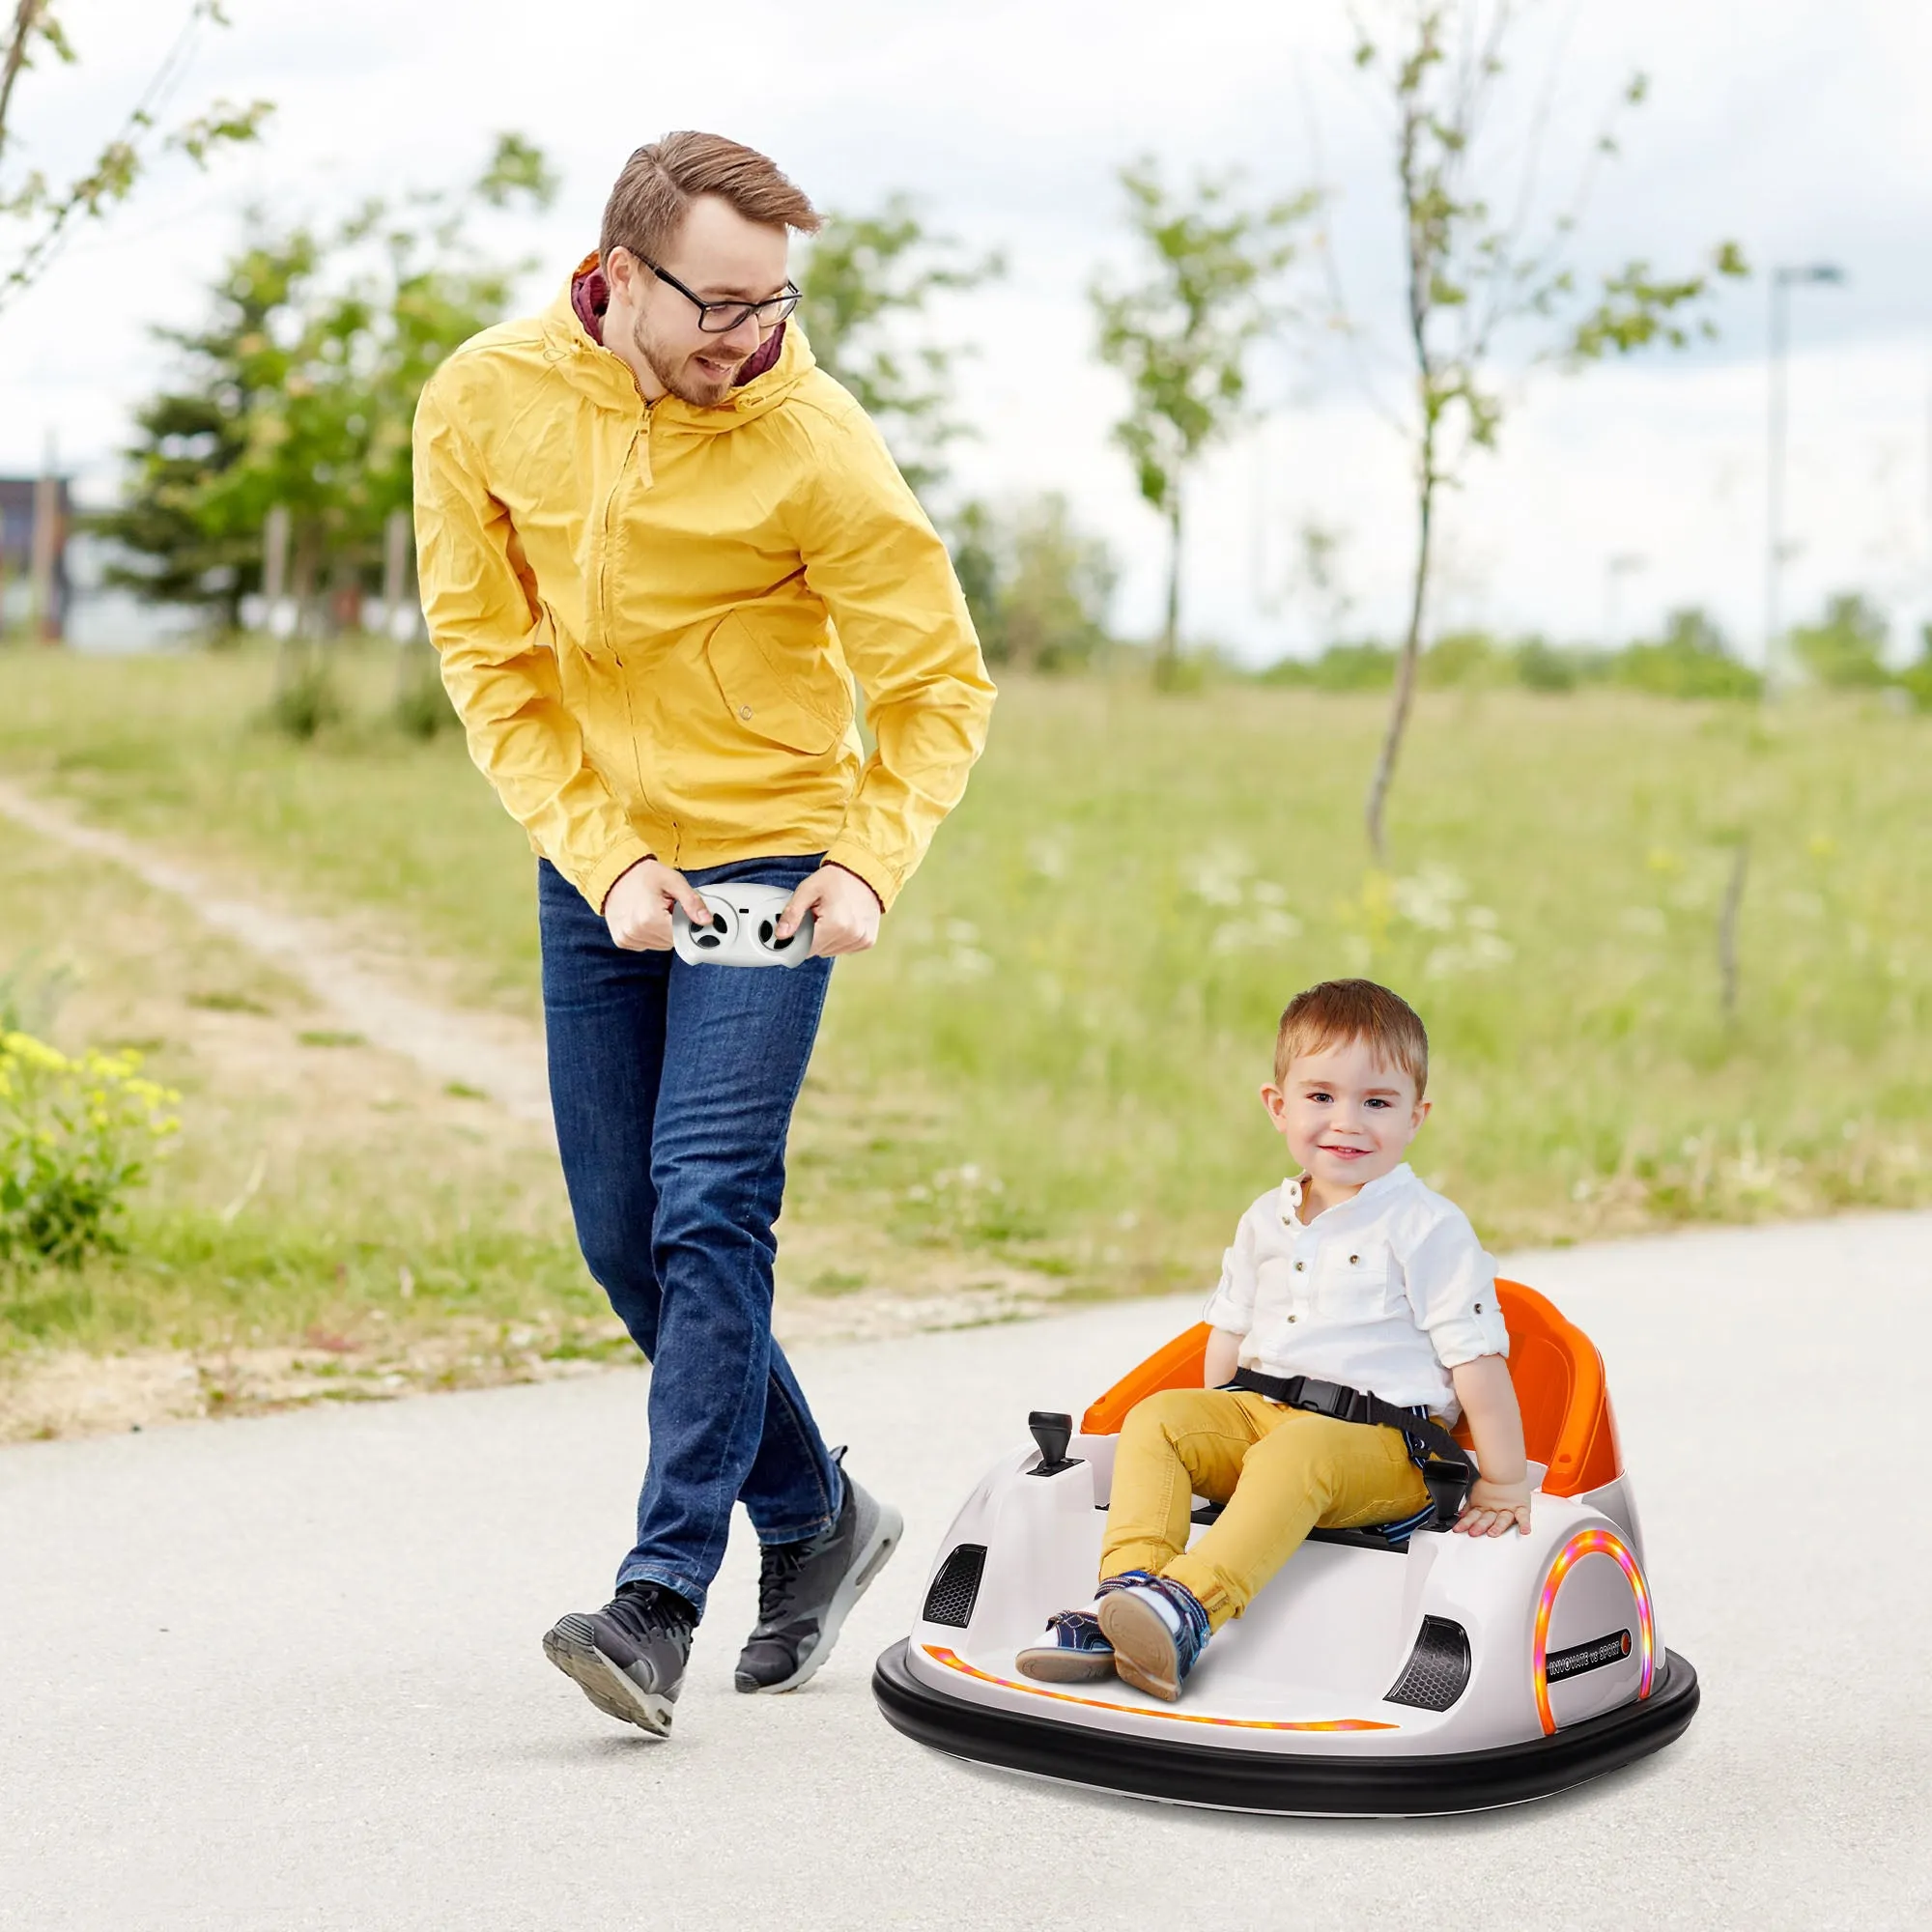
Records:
x=1052, y=1433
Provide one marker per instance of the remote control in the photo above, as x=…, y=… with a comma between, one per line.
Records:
x=743, y=929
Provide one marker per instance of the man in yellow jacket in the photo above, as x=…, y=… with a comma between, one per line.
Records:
x=657, y=546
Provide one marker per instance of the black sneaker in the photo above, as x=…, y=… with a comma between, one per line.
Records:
x=805, y=1589
x=628, y=1658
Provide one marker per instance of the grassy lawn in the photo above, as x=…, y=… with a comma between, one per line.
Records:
x=328, y=1213
x=1049, y=1065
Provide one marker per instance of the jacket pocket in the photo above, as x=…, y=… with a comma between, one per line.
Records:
x=795, y=698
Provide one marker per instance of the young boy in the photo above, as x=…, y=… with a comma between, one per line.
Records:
x=1353, y=1272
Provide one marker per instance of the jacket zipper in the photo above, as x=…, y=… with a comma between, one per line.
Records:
x=639, y=446
x=641, y=435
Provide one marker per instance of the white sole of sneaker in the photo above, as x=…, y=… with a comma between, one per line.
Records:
x=871, y=1559
x=572, y=1648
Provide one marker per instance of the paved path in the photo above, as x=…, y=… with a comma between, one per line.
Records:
x=284, y=1673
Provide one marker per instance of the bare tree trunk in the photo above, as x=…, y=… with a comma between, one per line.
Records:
x=1404, y=670
x=1167, y=662
x=1727, y=930
x=1423, y=252
x=47, y=541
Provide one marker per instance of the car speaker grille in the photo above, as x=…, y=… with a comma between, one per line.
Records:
x=1438, y=1670
x=949, y=1600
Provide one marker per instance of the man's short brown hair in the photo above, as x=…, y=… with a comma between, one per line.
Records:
x=661, y=180
x=1340, y=1011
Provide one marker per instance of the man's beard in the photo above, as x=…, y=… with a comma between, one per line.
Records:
x=673, y=374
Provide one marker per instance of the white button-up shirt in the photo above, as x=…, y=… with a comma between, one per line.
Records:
x=1387, y=1291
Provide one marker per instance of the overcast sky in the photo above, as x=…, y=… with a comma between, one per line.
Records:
x=1796, y=126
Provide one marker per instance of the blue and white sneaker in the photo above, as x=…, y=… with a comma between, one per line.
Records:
x=1074, y=1651
x=1158, y=1630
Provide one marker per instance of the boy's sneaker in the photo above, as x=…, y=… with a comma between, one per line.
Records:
x=628, y=1658
x=1076, y=1651
x=805, y=1589
x=1158, y=1630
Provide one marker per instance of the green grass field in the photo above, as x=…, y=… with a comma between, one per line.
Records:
x=1050, y=1062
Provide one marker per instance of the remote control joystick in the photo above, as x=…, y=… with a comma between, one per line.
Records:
x=1052, y=1433
x=743, y=929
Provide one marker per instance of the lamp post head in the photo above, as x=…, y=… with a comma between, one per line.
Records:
x=1809, y=271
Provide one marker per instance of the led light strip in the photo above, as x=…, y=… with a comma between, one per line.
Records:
x=1590, y=1543
x=953, y=1661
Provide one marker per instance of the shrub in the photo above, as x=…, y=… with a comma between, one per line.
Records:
x=305, y=698
x=1541, y=666
x=1463, y=657
x=422, y=708
x=1690, y=660
x=1364, y=667
x=1040, y=588
x=1845, y=648
x=1296, y=671
x=1916, y=679
x=76, y=1136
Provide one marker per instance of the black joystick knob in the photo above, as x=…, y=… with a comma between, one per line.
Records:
x=1052, y=1433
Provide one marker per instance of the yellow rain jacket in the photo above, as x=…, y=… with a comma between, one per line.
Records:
x=649, y=616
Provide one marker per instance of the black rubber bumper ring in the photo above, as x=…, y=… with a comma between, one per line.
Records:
x=1300, y=1784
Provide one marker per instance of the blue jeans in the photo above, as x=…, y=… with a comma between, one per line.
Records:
x=673, y=1087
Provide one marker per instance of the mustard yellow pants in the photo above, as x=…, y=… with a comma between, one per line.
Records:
x=1280, y=1471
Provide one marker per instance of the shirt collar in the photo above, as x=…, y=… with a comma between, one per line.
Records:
x=1373, y=1194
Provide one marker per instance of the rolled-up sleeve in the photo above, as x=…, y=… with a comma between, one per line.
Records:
x=1231, y=1305
x=1451, y=1284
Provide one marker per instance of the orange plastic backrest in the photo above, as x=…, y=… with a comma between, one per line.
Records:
x=1554, y=1369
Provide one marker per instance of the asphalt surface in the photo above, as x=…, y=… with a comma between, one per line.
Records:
x=285, y=1672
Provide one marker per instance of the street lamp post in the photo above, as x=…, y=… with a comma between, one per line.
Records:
x=1626, y=564
x=1782, y=281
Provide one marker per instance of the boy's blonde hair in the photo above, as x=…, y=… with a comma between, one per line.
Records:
x=1338, y=1011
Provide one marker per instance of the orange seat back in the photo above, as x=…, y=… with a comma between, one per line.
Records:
x=1554, y=1369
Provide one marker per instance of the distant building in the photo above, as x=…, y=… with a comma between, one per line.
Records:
x=19, y=495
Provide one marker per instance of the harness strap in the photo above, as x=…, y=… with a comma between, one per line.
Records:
x=1447, y=1472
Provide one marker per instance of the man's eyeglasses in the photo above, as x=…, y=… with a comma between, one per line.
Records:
x=721, y=318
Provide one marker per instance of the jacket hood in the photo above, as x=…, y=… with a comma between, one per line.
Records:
x=573, y=328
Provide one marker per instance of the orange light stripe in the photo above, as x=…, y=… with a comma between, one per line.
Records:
x=1590, y=1543
x=953, y=1661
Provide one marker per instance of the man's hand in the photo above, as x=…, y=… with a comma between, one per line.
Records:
x=637, y=908
x=1494, y=1508
x=845, y=912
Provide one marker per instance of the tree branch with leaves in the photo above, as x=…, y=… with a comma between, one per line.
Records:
x=865, y=277
x=300, y=387
x=1472, y=275
x=50, y=212
x=1181, y=334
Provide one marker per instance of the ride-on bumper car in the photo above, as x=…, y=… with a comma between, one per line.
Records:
x=1373, y=1676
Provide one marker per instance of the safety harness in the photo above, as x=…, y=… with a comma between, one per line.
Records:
x=1446, y=1467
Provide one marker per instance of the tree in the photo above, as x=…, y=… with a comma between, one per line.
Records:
x=1846, y=647
x=1181, y=336
x=1472, y=275
x=50, y=212
x=193, y=548
x=300, y=391
x=1038, y=587
x=864, y=277
x=1916, y=679
x=1690, y=660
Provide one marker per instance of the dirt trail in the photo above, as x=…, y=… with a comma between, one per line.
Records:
x=494, y=1053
